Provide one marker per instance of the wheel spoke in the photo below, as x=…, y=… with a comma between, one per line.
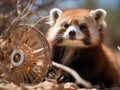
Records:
x=23, y=38
x=22, y=75
x=26, y=60
x=25, y=76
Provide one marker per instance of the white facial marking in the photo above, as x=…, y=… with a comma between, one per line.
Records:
x=53, y=33
x=79, y=35
x=94, y=34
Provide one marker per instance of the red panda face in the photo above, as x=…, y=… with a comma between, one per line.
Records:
x=76, y=27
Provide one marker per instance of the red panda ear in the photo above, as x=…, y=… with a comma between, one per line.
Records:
x=99, y=15
x=54, y=14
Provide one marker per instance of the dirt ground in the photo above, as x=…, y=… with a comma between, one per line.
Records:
x=49, y=85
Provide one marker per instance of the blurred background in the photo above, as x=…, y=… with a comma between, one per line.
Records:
x=42, y=7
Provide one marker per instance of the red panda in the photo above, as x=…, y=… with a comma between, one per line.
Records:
x=81, y=33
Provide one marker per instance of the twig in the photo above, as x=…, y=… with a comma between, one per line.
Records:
x=25, y=11
x=18, y=7
x=40, y=20
x=79, y=80
x=118, y=47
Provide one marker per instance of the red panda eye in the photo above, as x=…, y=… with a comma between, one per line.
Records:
x=66, y=25
x=83, y=27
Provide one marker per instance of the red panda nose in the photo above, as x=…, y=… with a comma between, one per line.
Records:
x=72, y=33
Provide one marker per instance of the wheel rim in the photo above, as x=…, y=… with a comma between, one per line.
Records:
x=27, y=57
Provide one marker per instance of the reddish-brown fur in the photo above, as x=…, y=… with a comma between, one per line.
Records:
x=96, y=63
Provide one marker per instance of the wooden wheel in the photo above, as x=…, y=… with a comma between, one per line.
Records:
x=26, y=55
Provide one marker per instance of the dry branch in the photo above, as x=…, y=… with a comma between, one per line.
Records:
x=78, y=78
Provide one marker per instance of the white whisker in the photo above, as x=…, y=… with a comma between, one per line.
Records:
x=58, y=37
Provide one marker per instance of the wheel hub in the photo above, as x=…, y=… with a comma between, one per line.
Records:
x=17, y=57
